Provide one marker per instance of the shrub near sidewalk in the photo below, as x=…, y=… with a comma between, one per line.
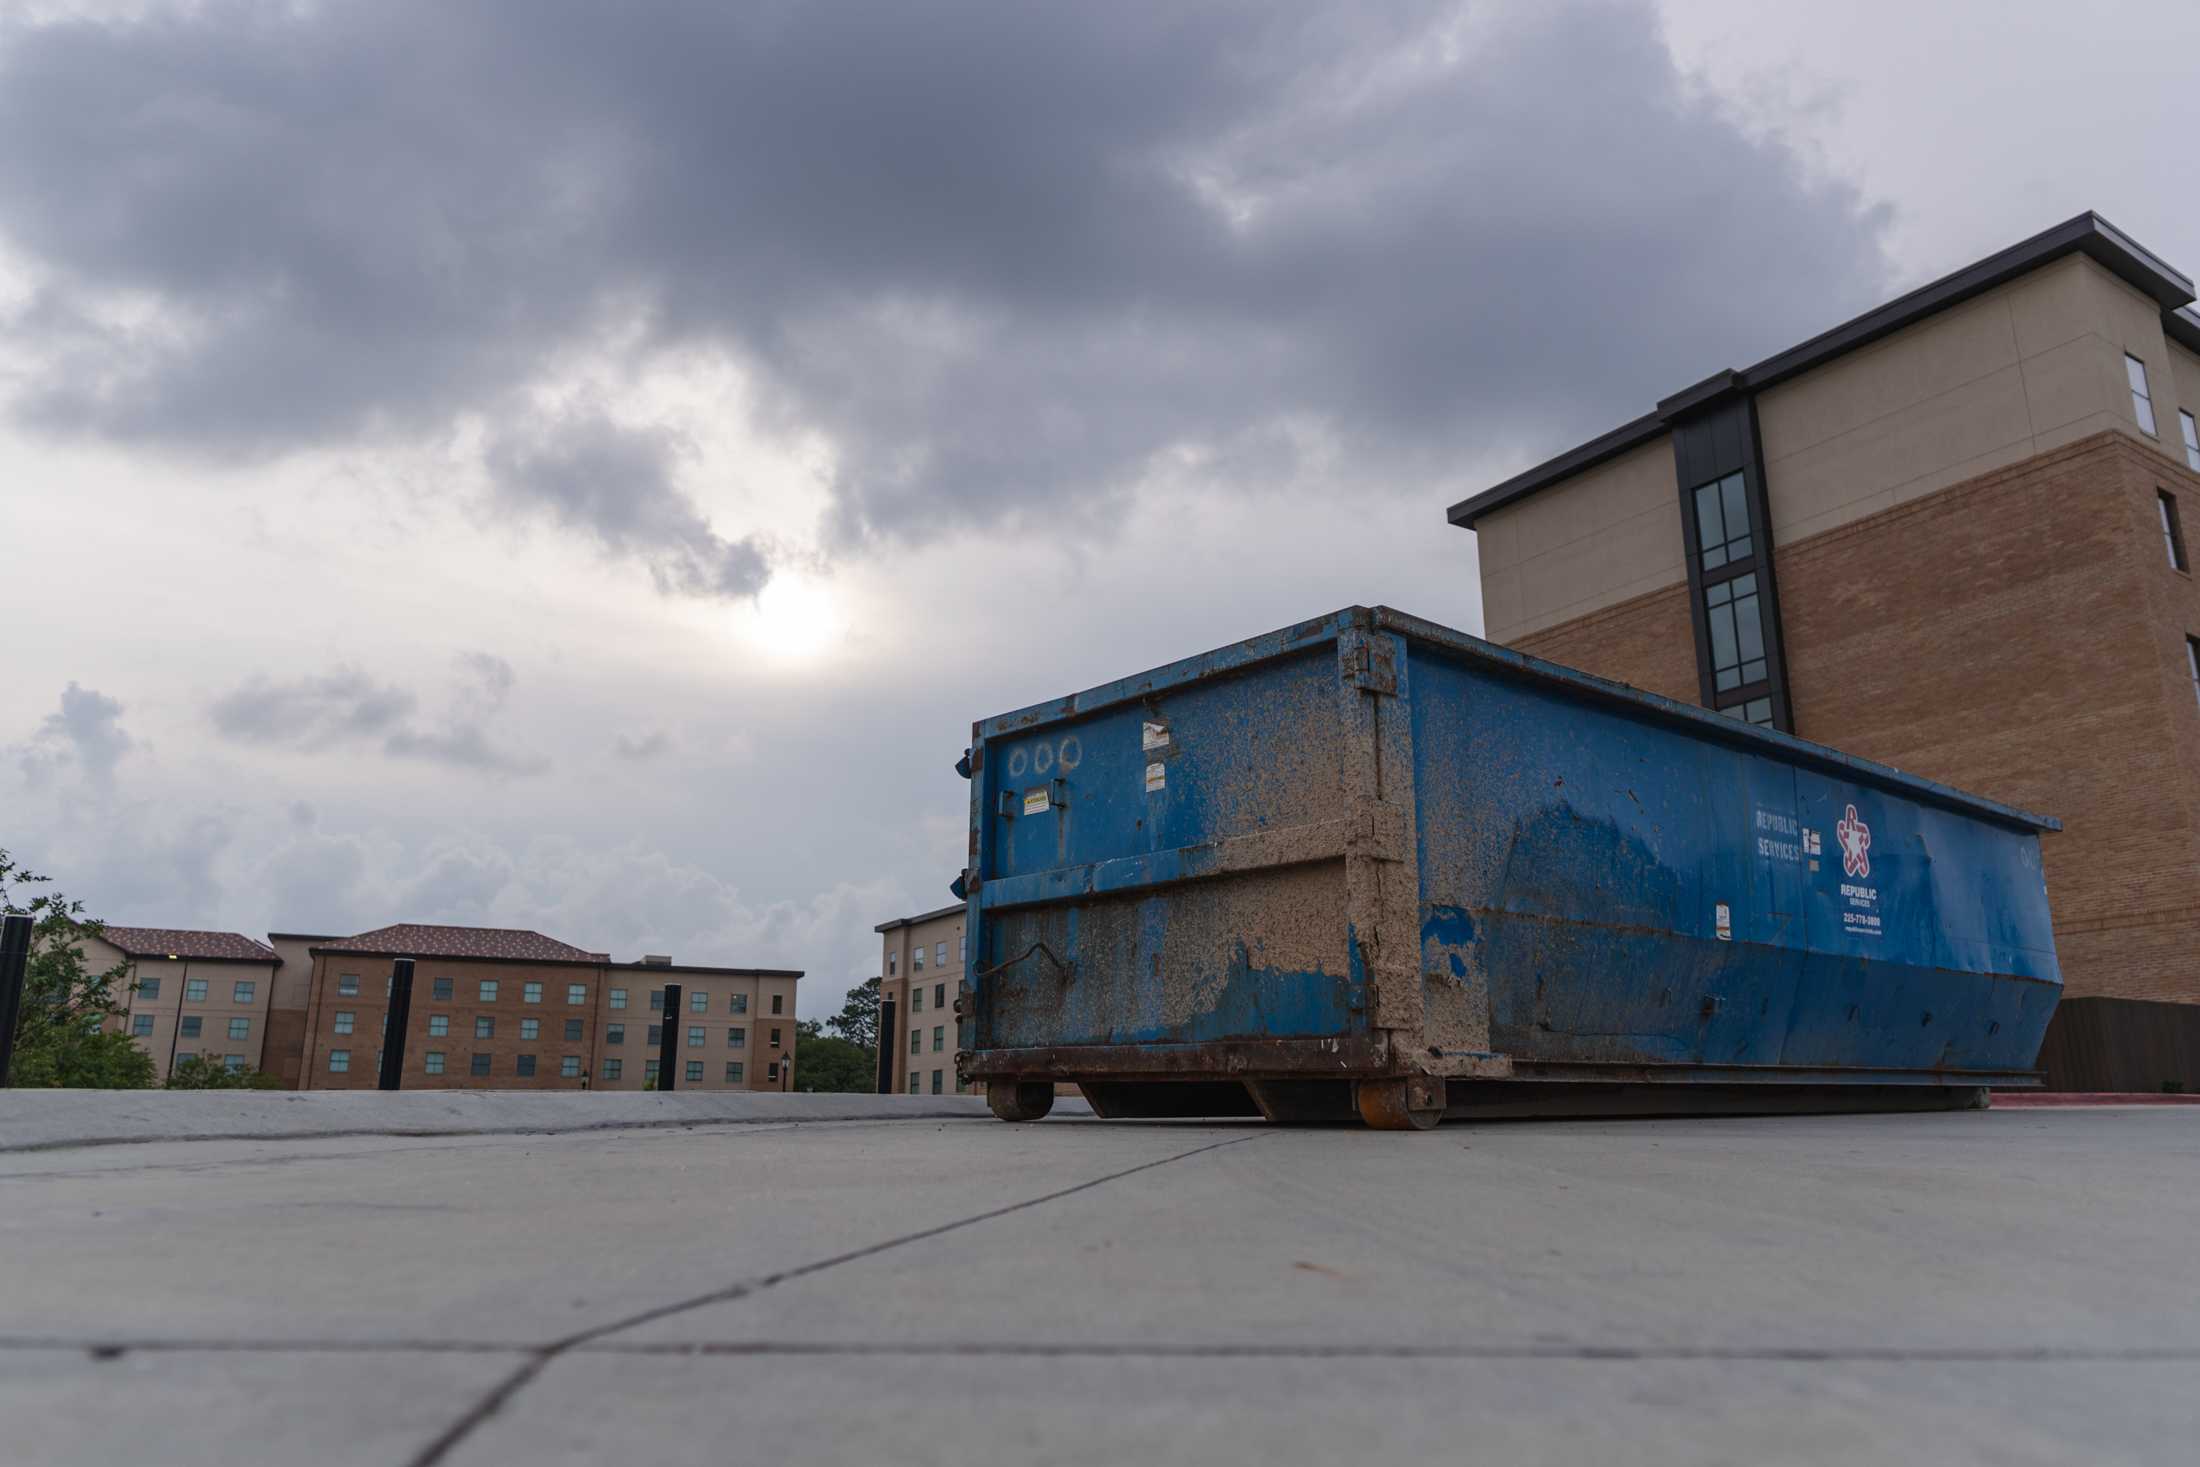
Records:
x=61, y=1038
x=197, y=1072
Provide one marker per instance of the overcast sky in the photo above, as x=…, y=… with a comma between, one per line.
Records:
x=584, y=467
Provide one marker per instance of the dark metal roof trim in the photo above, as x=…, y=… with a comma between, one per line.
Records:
x=956, y=910
x=2087, y=234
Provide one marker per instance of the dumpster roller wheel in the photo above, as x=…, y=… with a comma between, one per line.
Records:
x=1400, y=1105
x=1019, y=1100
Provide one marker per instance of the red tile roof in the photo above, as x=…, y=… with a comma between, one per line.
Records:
x=176, y=942
x=422, y=940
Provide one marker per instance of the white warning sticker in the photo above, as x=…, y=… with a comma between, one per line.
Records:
x=1155, y=736
x=1724, y=918
x=1157, y=776
x=1035, y=800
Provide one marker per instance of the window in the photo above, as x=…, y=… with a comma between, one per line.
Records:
x=939, y=1038
x=2142, y=401
x=613, y=1068
x=526, y=1064
x=737, y=1003
x=698, y=1002
x=912, y=1084
x=150, y=987
x=939, y=954
x=775, y=1039
x=614, y=1034
x=530, y=1028
x=916, y=1000
x=347, y=985
x=916, y=959
x=771, y=1073
x=778, y=999
x=240, y=1028
x=442, y=990
x=439, y=1025
x=737, y=1038
x=656, y=1035
x=488, y=990
x=890, y=960
x=141, y=1025
x=939, y=995
x=916, y=1041
x=346, y=1020
x=1722, y=522
x=433, y=1061
x=656, y=1000
x=2192, y=665
x=649, y=1072
x=234, y=1063
x=733, y=1072
x=1737, y=633
x=530, y=993
x=618, y=998
x=339, y=1061
x=572, y=1030
x=695, y=1072
x=191, y=1025
x=194, y=990
x=936, y=1081
x=484, y=1027
x=569, y=1067
x=695, y=1036
x=576, y=993
x=962, y=950
x=2191, y=432
x=478, y=1064
x=1750, y=710
x=242, y=991
x=2173, y=531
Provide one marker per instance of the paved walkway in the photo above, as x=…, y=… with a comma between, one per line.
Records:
x=2005, y=1287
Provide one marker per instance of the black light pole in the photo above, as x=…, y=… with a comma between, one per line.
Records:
x=395, y=1024
x=15, y=958
x=887, y=1038
x=666, y=1034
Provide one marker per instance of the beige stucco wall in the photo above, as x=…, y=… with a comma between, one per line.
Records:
x=937, y=983
x=755, y=1021
x=2185, y=383
x=168, y=1006
x=2022, y=369
x=1599, y=539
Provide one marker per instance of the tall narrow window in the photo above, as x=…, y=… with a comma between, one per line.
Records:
x=1722, y=522
x=2192, y=663
x=2142, y=401
x=2173, y=533
x=1737, y=633
x=2191, y=431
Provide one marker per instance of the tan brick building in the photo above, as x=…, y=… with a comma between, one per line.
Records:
x=190, y=992
x=1947, y=535
x=920, y=969
x=509, y=1009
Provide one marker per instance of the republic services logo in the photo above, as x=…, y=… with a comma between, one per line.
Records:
x=1856, y=843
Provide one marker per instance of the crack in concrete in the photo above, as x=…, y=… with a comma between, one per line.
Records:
x=503, y=1391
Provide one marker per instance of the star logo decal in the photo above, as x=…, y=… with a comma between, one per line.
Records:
x=1856, y=843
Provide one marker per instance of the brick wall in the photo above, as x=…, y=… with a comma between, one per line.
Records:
x=2019, y=635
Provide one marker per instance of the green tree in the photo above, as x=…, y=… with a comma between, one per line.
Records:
x=824, y=1062
x=201, y=1072
x=857, y=1021
x=62, y=1037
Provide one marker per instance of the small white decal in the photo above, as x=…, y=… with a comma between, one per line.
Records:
x=1157, y=776
x=1156, y=736
x=1725, y=920
x=1035, y=800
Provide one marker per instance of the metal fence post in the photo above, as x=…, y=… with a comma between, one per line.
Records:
x=666, y=1033
x=394, y=1026
x=15, y=957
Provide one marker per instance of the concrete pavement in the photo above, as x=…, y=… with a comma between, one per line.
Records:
x=2000, y=1287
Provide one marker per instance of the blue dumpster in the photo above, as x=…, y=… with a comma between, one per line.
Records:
x=1371, y=867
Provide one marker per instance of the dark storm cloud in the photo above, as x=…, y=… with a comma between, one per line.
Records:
x=347, y=708
x=1005, y=258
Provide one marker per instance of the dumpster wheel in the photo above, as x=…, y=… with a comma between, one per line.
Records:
x=1388, y=1105
x=1019, y=1100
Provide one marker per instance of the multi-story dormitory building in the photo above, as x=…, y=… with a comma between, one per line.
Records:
x=492, y=1008
x=1947, y=535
